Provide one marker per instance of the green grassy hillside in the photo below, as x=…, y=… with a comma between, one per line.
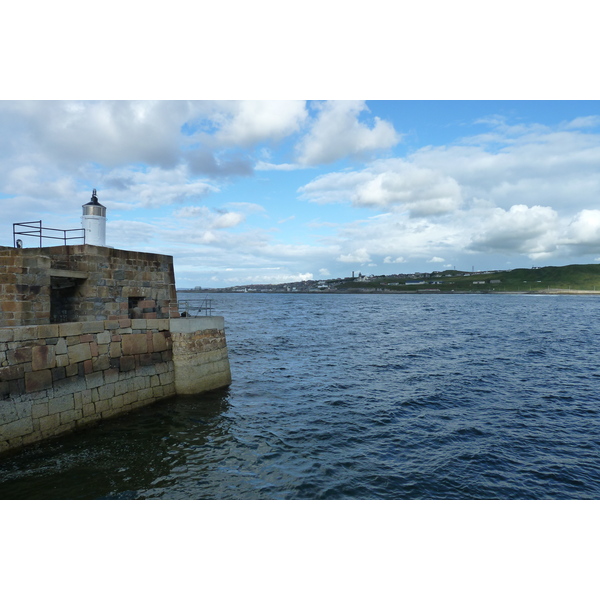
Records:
x=571, y=277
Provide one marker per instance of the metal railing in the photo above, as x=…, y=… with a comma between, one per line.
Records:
x=195, y=308
x=35, y=229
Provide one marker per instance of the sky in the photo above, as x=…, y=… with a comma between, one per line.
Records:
x=242, y=192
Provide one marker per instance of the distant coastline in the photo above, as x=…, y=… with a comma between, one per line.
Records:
x=567, y=280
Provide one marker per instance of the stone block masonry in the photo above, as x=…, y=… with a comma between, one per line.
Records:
x=200, y=354
x=64, y=284
x=57, y=378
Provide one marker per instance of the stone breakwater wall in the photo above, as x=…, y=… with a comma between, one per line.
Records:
x=60, y=377
x=200, y=355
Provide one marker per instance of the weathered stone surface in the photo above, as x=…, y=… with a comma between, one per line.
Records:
x=79, y=352
x=166, y=378
x=49, y=423
x=6, y=334
x=60, y=347
x=61, y=404
x=92, y=327
x=162, y=324
x=38, y=380
x=71, y=370
x=11, y=372
x=70, y=416
x=139, y=324
x=136, y=343
x=25, y=333
x=88, y=410
x=17, y=387
x=127, y=363
x=199, y=365
x=69, y=385
x=111, y=375
x=48, y=331
x=159, y=342
x=106, y=391
x=39, y=410
x=69, y=329
x=102, y=405
x=9, y=431
x=43, y=357
x=19, y=355
x=144, y=360
x=94, y=380
x=58, y=373
x=101, y=363
x=104, y=337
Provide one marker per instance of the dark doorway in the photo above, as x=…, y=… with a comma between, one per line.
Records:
x=63, y=299
x=135, y=312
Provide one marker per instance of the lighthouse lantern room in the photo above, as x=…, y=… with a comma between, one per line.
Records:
x=94, y=222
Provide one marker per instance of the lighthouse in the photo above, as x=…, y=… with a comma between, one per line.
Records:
x=94, y=222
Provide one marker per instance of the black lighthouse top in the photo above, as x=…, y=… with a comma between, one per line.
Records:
x=93, y=207
x=94, y=200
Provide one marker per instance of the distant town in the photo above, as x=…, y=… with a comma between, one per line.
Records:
x=572, y=278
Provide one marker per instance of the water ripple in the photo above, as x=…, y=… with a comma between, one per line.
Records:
x=352, y=397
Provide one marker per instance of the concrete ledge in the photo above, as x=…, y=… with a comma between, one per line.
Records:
x=193, y=324
x=67, y=274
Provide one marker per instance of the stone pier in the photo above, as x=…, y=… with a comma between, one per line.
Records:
x=88, y=333
x=199, y=354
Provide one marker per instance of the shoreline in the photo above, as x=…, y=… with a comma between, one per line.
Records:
x=358, y=291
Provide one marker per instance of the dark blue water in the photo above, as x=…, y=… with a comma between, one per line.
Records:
x=359, y=397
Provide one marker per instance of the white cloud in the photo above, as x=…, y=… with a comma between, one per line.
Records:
x=337, y=132
x=537, y=167
x=247, y=207
x=584, y=231
x=132, y=235
x=305, y=276
x=105, y=132
x=324, y=272
x=520, y=230
x=208, y=219
x=389, y=260
x=230, y=219
x=151, y=188
x=385, y=183
x=291, y=218
x=248, y=122
x=583, y=122
x=436, y=259
x=358, y=256
x=266, y=166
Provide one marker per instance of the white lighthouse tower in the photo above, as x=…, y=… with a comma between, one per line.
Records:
x=94, y=222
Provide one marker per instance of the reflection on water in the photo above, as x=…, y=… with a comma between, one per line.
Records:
x=132, y=456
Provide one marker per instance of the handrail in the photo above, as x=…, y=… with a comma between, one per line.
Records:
x=38, y=231
x=194, y=308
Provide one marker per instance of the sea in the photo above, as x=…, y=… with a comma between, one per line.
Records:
x=358, y=397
